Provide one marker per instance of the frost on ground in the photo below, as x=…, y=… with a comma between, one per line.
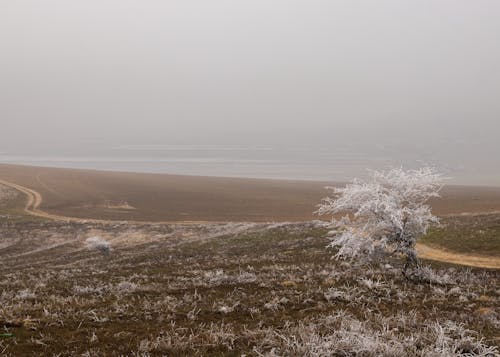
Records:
x=98, y=243
x=7, y=194
x=229, y=289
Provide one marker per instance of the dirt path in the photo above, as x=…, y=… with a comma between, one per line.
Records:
x=34, y=202
x=426, y=252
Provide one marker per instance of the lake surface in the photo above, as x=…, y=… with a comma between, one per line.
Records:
x=252, y=161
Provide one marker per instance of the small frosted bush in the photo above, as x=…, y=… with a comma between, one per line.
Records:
x=25, y=295
x=126, y=287
x=98, y=243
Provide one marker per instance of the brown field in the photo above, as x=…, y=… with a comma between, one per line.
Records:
x=228, y=289
x=158, y=197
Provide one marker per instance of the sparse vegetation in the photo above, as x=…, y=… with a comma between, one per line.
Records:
x=228, y=289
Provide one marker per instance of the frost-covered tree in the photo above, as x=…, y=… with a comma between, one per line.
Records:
x=389, y=212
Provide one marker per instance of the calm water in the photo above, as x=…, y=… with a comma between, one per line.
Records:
x=255, y=162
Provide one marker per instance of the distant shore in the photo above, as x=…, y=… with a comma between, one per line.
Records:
x=91, y=194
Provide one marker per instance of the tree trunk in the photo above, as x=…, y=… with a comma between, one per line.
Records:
x=411, y=263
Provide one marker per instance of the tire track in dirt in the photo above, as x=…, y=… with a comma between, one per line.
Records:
x=427, y=252
x=35, y=200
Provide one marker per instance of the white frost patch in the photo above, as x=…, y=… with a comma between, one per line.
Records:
x=125, y=287
x=98, y=243
x=25, y=295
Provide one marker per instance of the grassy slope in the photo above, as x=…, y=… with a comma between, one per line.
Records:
x=169, y=289
x=173, y=294
x=475, y=235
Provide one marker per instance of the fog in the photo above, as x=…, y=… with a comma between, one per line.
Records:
x=298, y=89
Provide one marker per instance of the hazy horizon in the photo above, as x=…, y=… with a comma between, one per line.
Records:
x=284, y=89
x=259, y=163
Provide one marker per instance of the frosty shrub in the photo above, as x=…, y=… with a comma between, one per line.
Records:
x=125, y=287
x=98, y=243
x=388, y=213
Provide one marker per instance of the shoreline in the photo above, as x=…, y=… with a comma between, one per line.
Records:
x=326, y=180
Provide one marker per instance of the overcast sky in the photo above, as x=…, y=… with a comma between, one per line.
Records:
x=416, y=75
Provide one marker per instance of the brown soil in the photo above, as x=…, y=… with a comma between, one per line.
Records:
x=157, y=197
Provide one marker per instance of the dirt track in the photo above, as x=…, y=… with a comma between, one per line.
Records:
x=34, y=200
x=430, y=253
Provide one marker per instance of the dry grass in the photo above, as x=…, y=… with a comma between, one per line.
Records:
x=259, y=289
x=226, y=289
